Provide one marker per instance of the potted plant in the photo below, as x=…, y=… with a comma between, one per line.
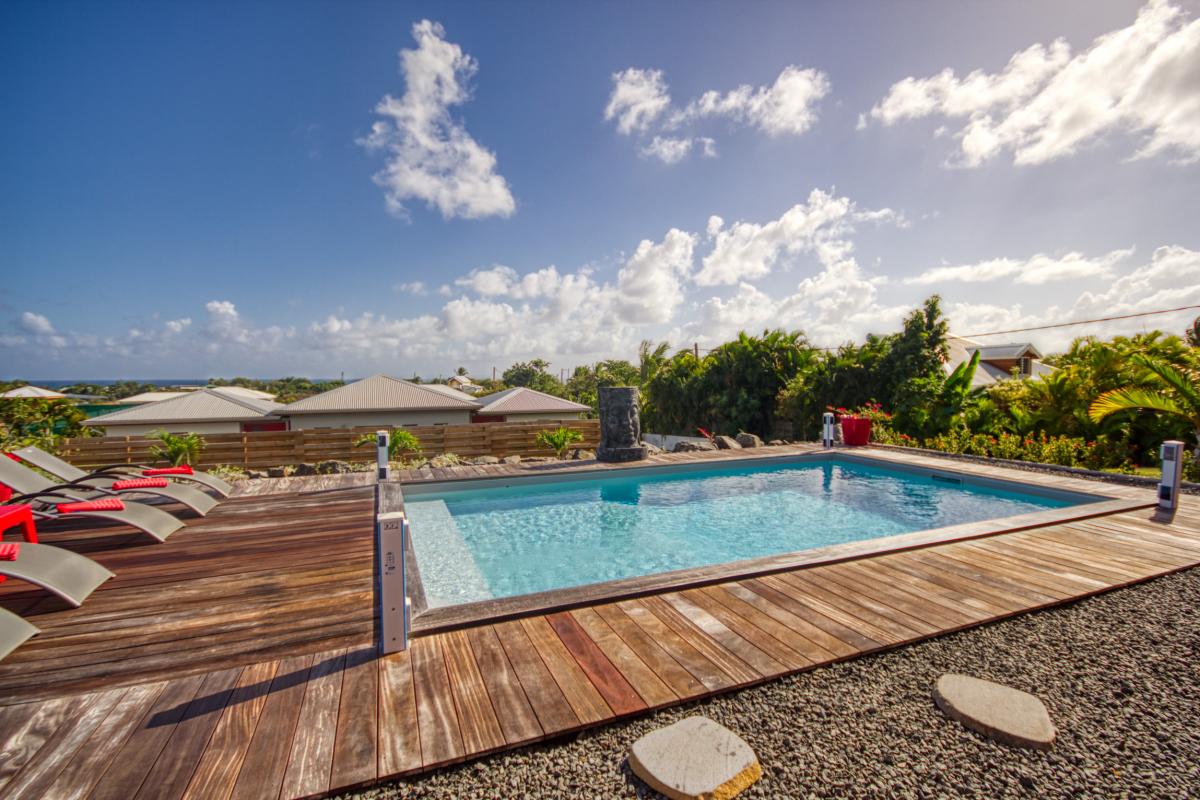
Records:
x=856, y=425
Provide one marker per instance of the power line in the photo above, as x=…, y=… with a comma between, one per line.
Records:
x=699, y=349
x=1083, y=322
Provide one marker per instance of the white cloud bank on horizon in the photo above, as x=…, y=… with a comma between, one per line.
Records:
x=1047, y=103
x=701, y=286
x=429, y=155
x=640, y=103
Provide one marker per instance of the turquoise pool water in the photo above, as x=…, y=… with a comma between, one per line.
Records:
x=478, y=544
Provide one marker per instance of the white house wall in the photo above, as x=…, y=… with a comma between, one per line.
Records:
x=382, y=419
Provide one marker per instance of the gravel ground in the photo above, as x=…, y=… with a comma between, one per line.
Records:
x=1120, y=674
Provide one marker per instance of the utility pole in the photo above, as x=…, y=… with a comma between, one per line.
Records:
x=696, y=350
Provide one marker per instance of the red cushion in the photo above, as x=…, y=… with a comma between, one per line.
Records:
x=9, y=551
x=5, y=493
x=107, y=504
x=184, y=470
x=139, y=483
x=14, y=457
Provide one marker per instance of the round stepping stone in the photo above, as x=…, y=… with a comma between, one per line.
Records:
x=695, y=759
x=999, y=712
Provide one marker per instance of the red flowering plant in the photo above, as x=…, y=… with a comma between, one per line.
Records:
x=706, y=434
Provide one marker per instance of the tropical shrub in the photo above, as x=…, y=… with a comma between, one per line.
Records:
x=401, y=444
x=1175, y=393
x=42, y=423
x=559, y=440
x=177, y=448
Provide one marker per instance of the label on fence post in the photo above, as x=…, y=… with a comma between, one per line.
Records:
x=393, y=614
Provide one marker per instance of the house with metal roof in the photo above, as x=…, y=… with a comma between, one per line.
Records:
x=204, y=411
x=384, y=402
x=464, y=384
x=156, y=397
x=996, y=361
x=521, y=404
x=31, y=393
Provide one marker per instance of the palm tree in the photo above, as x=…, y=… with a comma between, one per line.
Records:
x=177, y=449
x=1179, y=397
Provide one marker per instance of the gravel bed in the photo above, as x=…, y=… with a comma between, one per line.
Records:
x=1120, y=674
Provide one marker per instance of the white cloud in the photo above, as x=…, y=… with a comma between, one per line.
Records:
x=412, y=287
x=787, y=106
x=1046, y=103
x=1035, y=270
x=747, y=251
x=639, y=96
x=430, y=155
x=36, y=324
x=667, y=149
x=1169, y=280
x=178, y=325
x=650, y=285
x=641, y=104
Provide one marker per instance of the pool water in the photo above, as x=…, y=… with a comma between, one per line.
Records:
x=477, y=544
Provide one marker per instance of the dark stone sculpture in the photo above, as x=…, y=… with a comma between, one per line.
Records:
x=620, y=425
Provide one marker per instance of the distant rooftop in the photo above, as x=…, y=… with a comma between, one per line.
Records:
x=31, y=392
x=384, y=393
x=523, y=400
x=206, y=405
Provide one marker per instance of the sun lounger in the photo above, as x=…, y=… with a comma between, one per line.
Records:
x=91, y=488
x=69, y=472
x=68, y=575
x=44, y=498
x=14, y=632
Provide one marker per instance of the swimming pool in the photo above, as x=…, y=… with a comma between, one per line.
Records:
x=482, y=542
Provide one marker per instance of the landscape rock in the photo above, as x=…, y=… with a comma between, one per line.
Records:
x=999, y=712
x=304, y=470
x=652, y=449
x=441, y=462
x=579, y=454
x=726, y=443
x=333, y=467
x=776, y=443
x=276, y=472
x=484, y=460
x=749, y=440
x=692, y=447
x=511, y=460
x=694, y=759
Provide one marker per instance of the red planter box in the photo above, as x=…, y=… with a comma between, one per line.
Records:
x=856, y=431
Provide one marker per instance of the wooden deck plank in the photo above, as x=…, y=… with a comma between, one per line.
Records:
x=173, y=769
x=680, y=682
x=476, y=717
x=753, y=626
x=78, y=776
x=616, y=690
x=34, y=780
x=133, y=762
x=267, y=755
x=518, y=722
x=586, y=701
x=798, y=633
x=545, y=697
x=311, y=760
x=30, y=731
x=437, y=719
x=710, y=676
x=649, y=687
x=737, y=640
x=710, y=648
x=355, y=744
x=217, y=772
x=399, y=735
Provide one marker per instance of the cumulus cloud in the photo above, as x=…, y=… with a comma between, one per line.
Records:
x=787, y=106
x=650, y=285
x=412, y=287
x=1047, y=103
x=639, y=96
x=1035, y=270
x=641, y=104
x=36, y=324
x=1170, y=279
x=746, y=250
x=429, y=155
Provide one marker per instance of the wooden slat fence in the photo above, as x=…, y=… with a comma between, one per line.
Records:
x=274, y=448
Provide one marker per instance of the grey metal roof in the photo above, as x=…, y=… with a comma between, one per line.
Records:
x=383, y=393
x=1005, y=351
x=523, y=400
x=206, y=405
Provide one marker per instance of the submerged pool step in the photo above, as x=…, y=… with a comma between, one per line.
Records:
x=449, y=573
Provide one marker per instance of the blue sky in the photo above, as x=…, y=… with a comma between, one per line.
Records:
x=198, y=189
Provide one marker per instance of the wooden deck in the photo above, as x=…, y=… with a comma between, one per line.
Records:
x=220, y=665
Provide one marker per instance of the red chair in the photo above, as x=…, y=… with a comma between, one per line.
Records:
x=22, y=515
